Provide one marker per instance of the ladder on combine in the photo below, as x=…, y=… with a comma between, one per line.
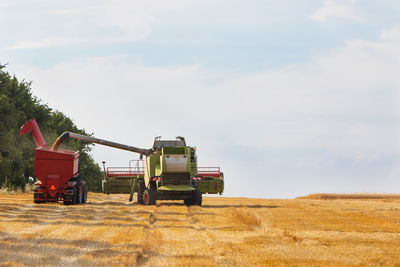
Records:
x=136, y=168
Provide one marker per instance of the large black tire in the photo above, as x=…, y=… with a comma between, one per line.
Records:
x=141, y=187
x=67, y=198
x=78, y=193
x=84, y=192
x=197, y=197
x=75, y=196
x=188, y=201
x=149, y=196
x=38, y=195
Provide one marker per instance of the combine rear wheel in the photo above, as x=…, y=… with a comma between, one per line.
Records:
x=149, y=197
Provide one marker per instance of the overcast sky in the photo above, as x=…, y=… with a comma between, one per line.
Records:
x=287, y=97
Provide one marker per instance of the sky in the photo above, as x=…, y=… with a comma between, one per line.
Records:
x=287, y=97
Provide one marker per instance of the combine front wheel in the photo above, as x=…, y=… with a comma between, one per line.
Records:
x=149, y=197
x=197, y=197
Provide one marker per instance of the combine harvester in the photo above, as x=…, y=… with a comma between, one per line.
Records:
x=170, y=171
x=119, y=180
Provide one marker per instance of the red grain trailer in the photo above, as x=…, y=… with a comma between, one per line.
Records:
x=57, y=171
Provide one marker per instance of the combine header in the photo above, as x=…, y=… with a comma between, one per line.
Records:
x=170, y=171
x=117, y=180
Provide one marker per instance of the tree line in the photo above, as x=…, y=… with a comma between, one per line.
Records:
x=17, y=106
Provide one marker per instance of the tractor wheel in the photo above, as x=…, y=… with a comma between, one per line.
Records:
x=84, y=192
x=141, y=187
x=197, y=197
x=149, y=196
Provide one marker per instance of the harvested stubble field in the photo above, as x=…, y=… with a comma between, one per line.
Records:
x=224, y=231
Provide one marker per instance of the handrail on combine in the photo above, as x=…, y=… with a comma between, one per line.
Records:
x=124, y=171
x=209, y=171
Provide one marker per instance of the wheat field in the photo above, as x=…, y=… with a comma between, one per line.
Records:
x=110, y=231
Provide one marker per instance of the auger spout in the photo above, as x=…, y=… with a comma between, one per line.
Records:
x=66, y=135
x=32, y=127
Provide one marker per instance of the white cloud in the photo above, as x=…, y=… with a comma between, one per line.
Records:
x=46, y=42
x=334, y=9
x=57, y=23
x=392, y=34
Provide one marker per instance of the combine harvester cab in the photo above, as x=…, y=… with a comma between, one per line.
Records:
x=57, y=171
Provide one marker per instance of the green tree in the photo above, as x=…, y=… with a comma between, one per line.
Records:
x=17, y=106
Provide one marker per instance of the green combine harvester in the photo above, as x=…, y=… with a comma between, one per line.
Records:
x=170, y=172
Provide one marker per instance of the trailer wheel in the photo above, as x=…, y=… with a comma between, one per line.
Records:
x=141, y=187
x=74, y=195
x=38, y=195
x=77, y=194
x=149, y=196
x=84, y=192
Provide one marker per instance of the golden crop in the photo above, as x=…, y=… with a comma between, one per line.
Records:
x=108, y=230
